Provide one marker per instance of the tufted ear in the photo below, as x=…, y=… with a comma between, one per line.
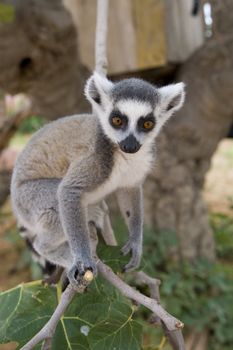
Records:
x=171, y=99
x=97, y=91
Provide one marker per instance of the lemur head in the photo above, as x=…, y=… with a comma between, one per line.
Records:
x=132, y=111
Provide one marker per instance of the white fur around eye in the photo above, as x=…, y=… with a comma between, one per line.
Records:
x=133, y=109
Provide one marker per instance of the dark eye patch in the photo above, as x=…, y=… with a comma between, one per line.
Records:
x=140, y=125
x=123, y=117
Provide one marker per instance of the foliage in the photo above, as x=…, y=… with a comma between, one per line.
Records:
x=200, y=293
x=223, y=230
x=99, y=319
x=7, y=13
x=31, y=124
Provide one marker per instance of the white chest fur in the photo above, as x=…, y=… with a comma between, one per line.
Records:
x=129, y=170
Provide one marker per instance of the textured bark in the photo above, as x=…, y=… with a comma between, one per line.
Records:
x=9, y=125
x=5, y=179
x=7, y=161
x=12, y=113
x=39, y=56
x=174, y=190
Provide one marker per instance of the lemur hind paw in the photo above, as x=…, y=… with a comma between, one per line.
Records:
x=136, y=252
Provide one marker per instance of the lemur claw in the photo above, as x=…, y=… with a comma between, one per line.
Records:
x=126, y=248
x=135, y=250
x=77, y=271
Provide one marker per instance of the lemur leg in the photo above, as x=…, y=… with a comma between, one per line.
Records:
x=74, y=195
x=37, y=208
x=131, y=205
x=57, y=254
x=55, y=277
x=107, y=231
x=99, y=215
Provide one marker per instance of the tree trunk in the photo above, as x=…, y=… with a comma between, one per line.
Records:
x=39, y=56
x=5, y=179
x=12, y=113
x=173, y=192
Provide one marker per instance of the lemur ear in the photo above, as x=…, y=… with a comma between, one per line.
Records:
x=171, y=98
x=97, y=90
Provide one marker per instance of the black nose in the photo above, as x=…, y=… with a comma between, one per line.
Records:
x=130, y=144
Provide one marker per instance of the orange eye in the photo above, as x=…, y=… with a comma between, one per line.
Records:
x=117, y=121
x=148, y=125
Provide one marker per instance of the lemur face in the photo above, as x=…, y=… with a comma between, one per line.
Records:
x=132, y=122
x=132, y=111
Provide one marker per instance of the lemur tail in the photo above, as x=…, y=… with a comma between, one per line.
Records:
x=47, y=267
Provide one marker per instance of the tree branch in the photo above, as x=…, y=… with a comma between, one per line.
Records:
x=47, y=332
x=17, y=108
x=174, y=337
x=153, y=284
x=171, y=322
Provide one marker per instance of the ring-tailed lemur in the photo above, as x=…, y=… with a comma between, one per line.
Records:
x=76, y=161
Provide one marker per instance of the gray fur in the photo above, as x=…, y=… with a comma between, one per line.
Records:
x=135, y=89
x=131, y=206
x=70, y=165
x=48, y=207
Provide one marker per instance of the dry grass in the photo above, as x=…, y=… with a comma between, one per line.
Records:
x=11, y=273
x=219, y=181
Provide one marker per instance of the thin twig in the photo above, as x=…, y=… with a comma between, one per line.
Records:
x=170, y=321
x=175, y=338
x=171, y=324
x=47, y=332
x=101, y=61
x=47, y=344
x=17, y=108
x=153, y=284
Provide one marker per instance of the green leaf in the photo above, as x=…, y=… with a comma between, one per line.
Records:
x=24, y=310
x=112, y=256
x=117, y=331
x=98, y=319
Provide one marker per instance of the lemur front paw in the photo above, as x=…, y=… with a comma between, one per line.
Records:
x=78, y=270
x=136, y=251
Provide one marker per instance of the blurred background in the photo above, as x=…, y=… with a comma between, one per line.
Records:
x=46, y=55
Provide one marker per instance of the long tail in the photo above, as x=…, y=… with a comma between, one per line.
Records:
x=47, y=267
